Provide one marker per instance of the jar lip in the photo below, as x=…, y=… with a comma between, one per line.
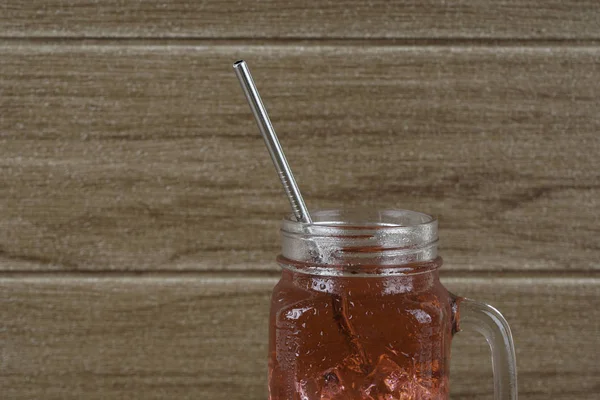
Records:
x=361, y=237
x=354, y=222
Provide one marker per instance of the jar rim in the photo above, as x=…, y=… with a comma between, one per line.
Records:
x=361, y=236
x=335, y=221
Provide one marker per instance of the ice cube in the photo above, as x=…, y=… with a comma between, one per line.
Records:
x=332, y=386
x=343, y=381
x=389, y=381
x=386, y=380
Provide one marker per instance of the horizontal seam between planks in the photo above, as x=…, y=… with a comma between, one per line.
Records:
x=594, y=275
x=300, y=41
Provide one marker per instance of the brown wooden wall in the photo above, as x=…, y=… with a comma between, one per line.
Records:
x=139, y=211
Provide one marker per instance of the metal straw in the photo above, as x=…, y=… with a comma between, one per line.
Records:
x=266, y=129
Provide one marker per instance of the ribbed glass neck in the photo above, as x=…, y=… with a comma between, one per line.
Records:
x=359, y=240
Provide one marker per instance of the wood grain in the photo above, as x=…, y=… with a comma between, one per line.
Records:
x=146, y=157
x=196, y=337
x=547, y=19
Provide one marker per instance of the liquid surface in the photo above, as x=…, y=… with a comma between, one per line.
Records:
x=350, y=338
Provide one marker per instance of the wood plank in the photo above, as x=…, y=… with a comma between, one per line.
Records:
x=190, y=337
x=147, y=158
x=548, y=19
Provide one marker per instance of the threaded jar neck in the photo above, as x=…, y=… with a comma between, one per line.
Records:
x=367, y=241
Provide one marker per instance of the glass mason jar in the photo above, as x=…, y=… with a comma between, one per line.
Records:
x=360, y=312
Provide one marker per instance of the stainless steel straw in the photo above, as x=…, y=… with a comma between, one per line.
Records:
x=266, y=129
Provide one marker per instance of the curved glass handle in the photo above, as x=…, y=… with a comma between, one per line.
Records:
x=488, y=321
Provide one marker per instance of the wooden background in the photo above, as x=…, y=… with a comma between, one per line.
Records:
x=139, y=210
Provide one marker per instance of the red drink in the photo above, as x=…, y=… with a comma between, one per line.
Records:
x=371, y=338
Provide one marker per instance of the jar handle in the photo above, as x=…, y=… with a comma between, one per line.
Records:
x=488, y=321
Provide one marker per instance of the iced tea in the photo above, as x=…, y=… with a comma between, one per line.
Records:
x=354, y=338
